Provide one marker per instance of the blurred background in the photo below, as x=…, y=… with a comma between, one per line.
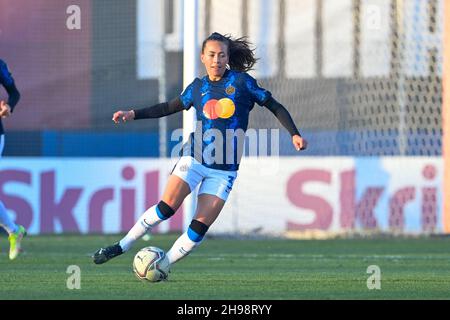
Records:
x=361, y=78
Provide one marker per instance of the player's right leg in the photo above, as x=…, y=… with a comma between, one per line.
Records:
x=6, y=221
x=178, y=187
x=176, y=191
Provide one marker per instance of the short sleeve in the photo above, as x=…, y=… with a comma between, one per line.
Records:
x=5, y=76
x=187, y=97
x=259, y=95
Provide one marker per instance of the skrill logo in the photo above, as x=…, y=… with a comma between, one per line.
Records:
x=352, y=212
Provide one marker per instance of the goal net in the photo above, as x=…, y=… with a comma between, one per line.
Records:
x=359, y=77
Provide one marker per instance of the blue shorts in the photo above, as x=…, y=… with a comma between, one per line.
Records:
x=215, y=182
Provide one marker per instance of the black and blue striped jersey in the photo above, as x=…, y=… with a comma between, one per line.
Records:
x=222, y=108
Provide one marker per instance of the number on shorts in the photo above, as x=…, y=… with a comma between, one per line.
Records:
x=230, y=183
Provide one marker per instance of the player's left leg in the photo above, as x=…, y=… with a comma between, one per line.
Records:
x=5, y=220
x=208, y=209
x=16, y=232
x=213, y=194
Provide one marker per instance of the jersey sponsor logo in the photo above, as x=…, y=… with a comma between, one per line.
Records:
x=223, y=108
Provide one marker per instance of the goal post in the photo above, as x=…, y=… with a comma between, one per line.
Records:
x=190, y=69
x=446, y=116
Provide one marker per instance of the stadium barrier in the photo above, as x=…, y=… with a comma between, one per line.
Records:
x=273, y=196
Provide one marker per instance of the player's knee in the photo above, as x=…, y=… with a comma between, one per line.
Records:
x=197, y=230
x=164, y=211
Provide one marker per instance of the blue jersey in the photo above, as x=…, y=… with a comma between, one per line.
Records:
x=6, y=79
x=222, y=109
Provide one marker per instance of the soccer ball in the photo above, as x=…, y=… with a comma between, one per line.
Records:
x=151, y=264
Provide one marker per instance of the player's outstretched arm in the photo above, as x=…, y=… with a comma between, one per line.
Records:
x=13, y=96
x=157, y=111
x=285, y=119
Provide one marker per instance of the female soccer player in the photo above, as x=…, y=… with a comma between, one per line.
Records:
x=16, y=232
x=222, y=100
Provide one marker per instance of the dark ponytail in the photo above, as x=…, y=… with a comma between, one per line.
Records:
x=241, y=56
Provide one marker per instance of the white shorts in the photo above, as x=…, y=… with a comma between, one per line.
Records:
x=213, y=181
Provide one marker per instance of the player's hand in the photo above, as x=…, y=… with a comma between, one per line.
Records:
x=299, y=142
x=123, y=115
x=5, y=109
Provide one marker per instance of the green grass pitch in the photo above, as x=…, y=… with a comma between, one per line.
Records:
x=233, y=269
